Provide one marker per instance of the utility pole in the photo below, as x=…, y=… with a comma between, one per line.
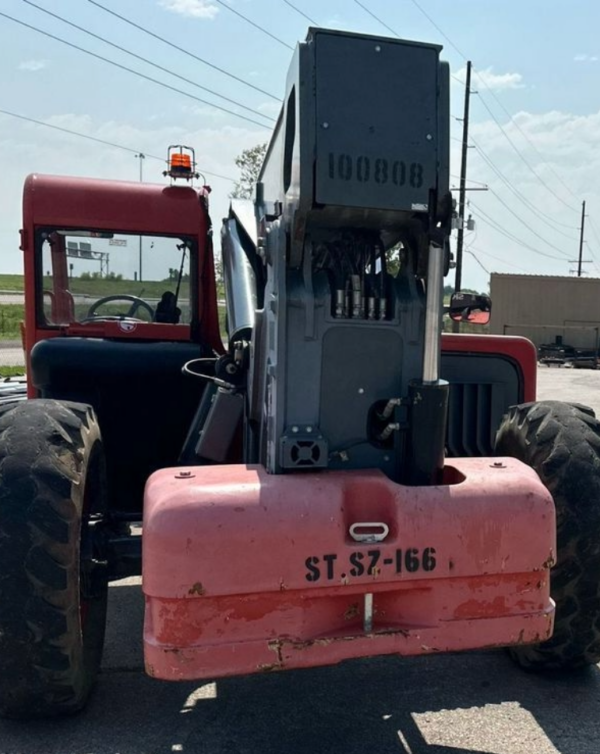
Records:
x=462, y=193
x=463, y=183
x=141, y=156
x=581, y=239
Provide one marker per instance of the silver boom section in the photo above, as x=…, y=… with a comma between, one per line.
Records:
x=238, y=274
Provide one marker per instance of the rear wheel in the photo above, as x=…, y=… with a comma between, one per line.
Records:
x=561, y=442
x=53, y=585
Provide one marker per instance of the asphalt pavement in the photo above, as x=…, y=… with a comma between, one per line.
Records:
x=11, y=353
x=479, y=702
x=571, y=385
x=449, y=704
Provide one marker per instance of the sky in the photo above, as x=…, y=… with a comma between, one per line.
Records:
x=535, y=108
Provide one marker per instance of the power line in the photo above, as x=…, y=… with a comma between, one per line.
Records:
x=302, y=13
x=464, y=57
x=532, y=208
x=471, y=241
x=461, y=140
x=130, y=70
x=478, y=183
x=593, y=255
x=528, y=204
x=593, y=227
x=535, y=173
x=76, y=133
x=479, y=262
x=455, y=119
x=499, y=259
x=256, y=26
x=182, y=49
x=529, y=228
x=101, y=141
x=542, y=215
x=433, y=23
x=522, y=158
x=370, y=12
x=524, y=135
x=145, y=60
x=490, y=221
x=595, y=234
x=515, y=148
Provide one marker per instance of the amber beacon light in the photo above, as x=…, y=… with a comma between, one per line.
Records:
x=181, y=163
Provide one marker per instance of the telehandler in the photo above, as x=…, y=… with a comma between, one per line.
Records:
x=339, y=479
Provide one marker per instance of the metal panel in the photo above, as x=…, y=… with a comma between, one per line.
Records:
x=351, y=358
x=377, y=146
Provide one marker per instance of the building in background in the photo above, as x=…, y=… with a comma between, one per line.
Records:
x=547, y=308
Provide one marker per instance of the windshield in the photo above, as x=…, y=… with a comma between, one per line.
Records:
x=89, y=276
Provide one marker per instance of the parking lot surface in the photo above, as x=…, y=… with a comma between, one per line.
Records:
x=572, y=385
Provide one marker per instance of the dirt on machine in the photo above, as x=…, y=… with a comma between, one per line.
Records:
x=335, y=478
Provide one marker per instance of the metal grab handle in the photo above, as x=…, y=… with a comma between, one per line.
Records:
x=378, y=531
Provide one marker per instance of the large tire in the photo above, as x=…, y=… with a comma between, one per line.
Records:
x=53, y=585
x=561, y=442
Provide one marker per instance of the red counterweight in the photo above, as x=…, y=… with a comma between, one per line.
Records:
x=247, y=572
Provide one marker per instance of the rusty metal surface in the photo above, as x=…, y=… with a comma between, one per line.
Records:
x=246, y=572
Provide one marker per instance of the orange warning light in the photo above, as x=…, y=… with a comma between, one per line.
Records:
x=181, y=162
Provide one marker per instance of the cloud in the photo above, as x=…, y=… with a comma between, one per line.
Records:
x=583, y=58
x=32, y=65
x=192, y=8
x=497, y=81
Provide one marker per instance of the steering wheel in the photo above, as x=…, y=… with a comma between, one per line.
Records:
x=136, y=303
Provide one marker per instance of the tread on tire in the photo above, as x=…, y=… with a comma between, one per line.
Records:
x=561, y=442
x=53, y=590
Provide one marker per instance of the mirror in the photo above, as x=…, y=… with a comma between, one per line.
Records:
x=474, y=308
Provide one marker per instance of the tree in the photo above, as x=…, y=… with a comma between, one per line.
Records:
x=249, y=162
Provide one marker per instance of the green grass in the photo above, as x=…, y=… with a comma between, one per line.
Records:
x=12, y=371
x=11, y=282
x=222, y=326
x=99, y=287
x=103, y=287
x=11, y=316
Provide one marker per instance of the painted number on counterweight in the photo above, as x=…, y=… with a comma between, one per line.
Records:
x=363, y=169
x=330, y=567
